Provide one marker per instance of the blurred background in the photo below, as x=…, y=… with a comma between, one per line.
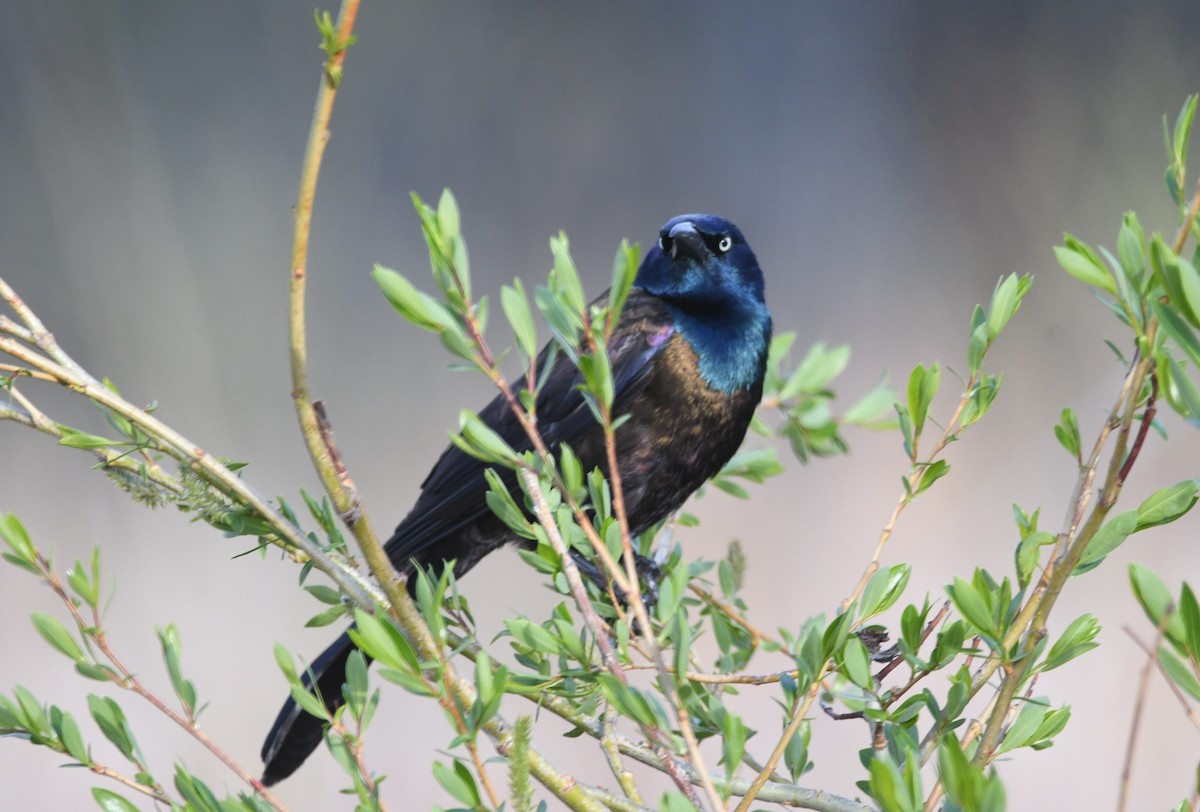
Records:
x=888, y=164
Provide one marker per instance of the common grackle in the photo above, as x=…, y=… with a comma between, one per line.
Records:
x=687, y=356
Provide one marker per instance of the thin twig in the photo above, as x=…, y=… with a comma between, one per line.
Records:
x=1188, y=710
x=542, y=511
x=95, y=632
x=757, y=635
x=201, y=462
x=155, y=792
x=906, y=498
x=347, y=504
x=764, y=775
x=1143, y=429
x=364, y=772
x=612, y=754
x=22, y=372
x=1139, y=706
x=639, y=609
x=1185, y=228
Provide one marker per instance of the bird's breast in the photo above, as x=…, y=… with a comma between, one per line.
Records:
x=679, y=433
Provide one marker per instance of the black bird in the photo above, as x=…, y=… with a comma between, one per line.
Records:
x=688, y=357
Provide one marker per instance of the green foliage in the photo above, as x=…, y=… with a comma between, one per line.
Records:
x=652, y=677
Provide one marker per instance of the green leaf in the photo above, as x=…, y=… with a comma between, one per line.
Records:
x=99, y=673
x=1078, y=638
x=480, y=441
x=1189, y=613
x=958, y=775
x=111, y=721
x=1182, y=392
x=31, y=714
x=733, y=743
x=515, y=302
x=978, y=344
x=674, y=802
x=72, y=438
x=77, y=577
x=1108, y=538
x=894, y=791
x=1178, y=278
x=501, y=502
x=872, y=408
x=630, y=701
x=184, y=689
x=1082, y=263
x=111, y=801
x=905, y=422
x=56, y=634
x=930, y=474
x=534, y=636
x=883, y=590
x=356, y=686
x=283, y=659
x=922, y=386
x=407, y=680
x=597, y=374
x=1067, y=432
x=326, y=617
x=795, y=755
x=1005, y=301
x=17, y=539
x=1023, y=728
x=564, y=279
x=417, y=307
x=382, y=641
x=1178, y=330
x=1029, y=554
x=1183, y=128
x=972, y=606
x=1131, y=248
x=836, y=633
x=819, y=367
x=856, y=663
x=624, y=271
x=309, y=702
x=325, y=594
x=197, y=794
x=1156, y=601
x=1168, y=504
x=1180, y=674
x=447, y=215
x=68, y=733
x=1189, y=283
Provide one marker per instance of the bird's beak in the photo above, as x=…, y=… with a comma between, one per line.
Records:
x=686, y=241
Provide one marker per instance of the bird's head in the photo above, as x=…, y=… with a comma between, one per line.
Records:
x=710, y=280
x=701, y=260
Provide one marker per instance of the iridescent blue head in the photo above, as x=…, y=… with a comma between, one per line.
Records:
x=708, y=276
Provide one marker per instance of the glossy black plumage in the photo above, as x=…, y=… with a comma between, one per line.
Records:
x=687, y=357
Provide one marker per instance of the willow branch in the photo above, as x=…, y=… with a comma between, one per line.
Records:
x=1139, y=706
x=94, y=630
x=190, y=456
x=906, y=498
x=754, y=791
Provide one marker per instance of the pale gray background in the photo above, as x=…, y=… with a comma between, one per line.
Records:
x=887, y=164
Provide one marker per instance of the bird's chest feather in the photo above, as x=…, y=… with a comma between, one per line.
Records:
x=679, y=433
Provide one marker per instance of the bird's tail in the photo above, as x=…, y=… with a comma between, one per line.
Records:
x=296, y=733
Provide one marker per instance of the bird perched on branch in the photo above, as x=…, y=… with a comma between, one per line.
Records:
x=688, y=356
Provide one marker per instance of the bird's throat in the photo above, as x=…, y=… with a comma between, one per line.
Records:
x=731, y=347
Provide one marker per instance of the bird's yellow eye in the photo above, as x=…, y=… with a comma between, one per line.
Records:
x=725, y=244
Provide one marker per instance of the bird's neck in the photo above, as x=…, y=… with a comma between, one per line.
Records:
x=730, y=341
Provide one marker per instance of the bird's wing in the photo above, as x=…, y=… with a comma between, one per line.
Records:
x=453, y=495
